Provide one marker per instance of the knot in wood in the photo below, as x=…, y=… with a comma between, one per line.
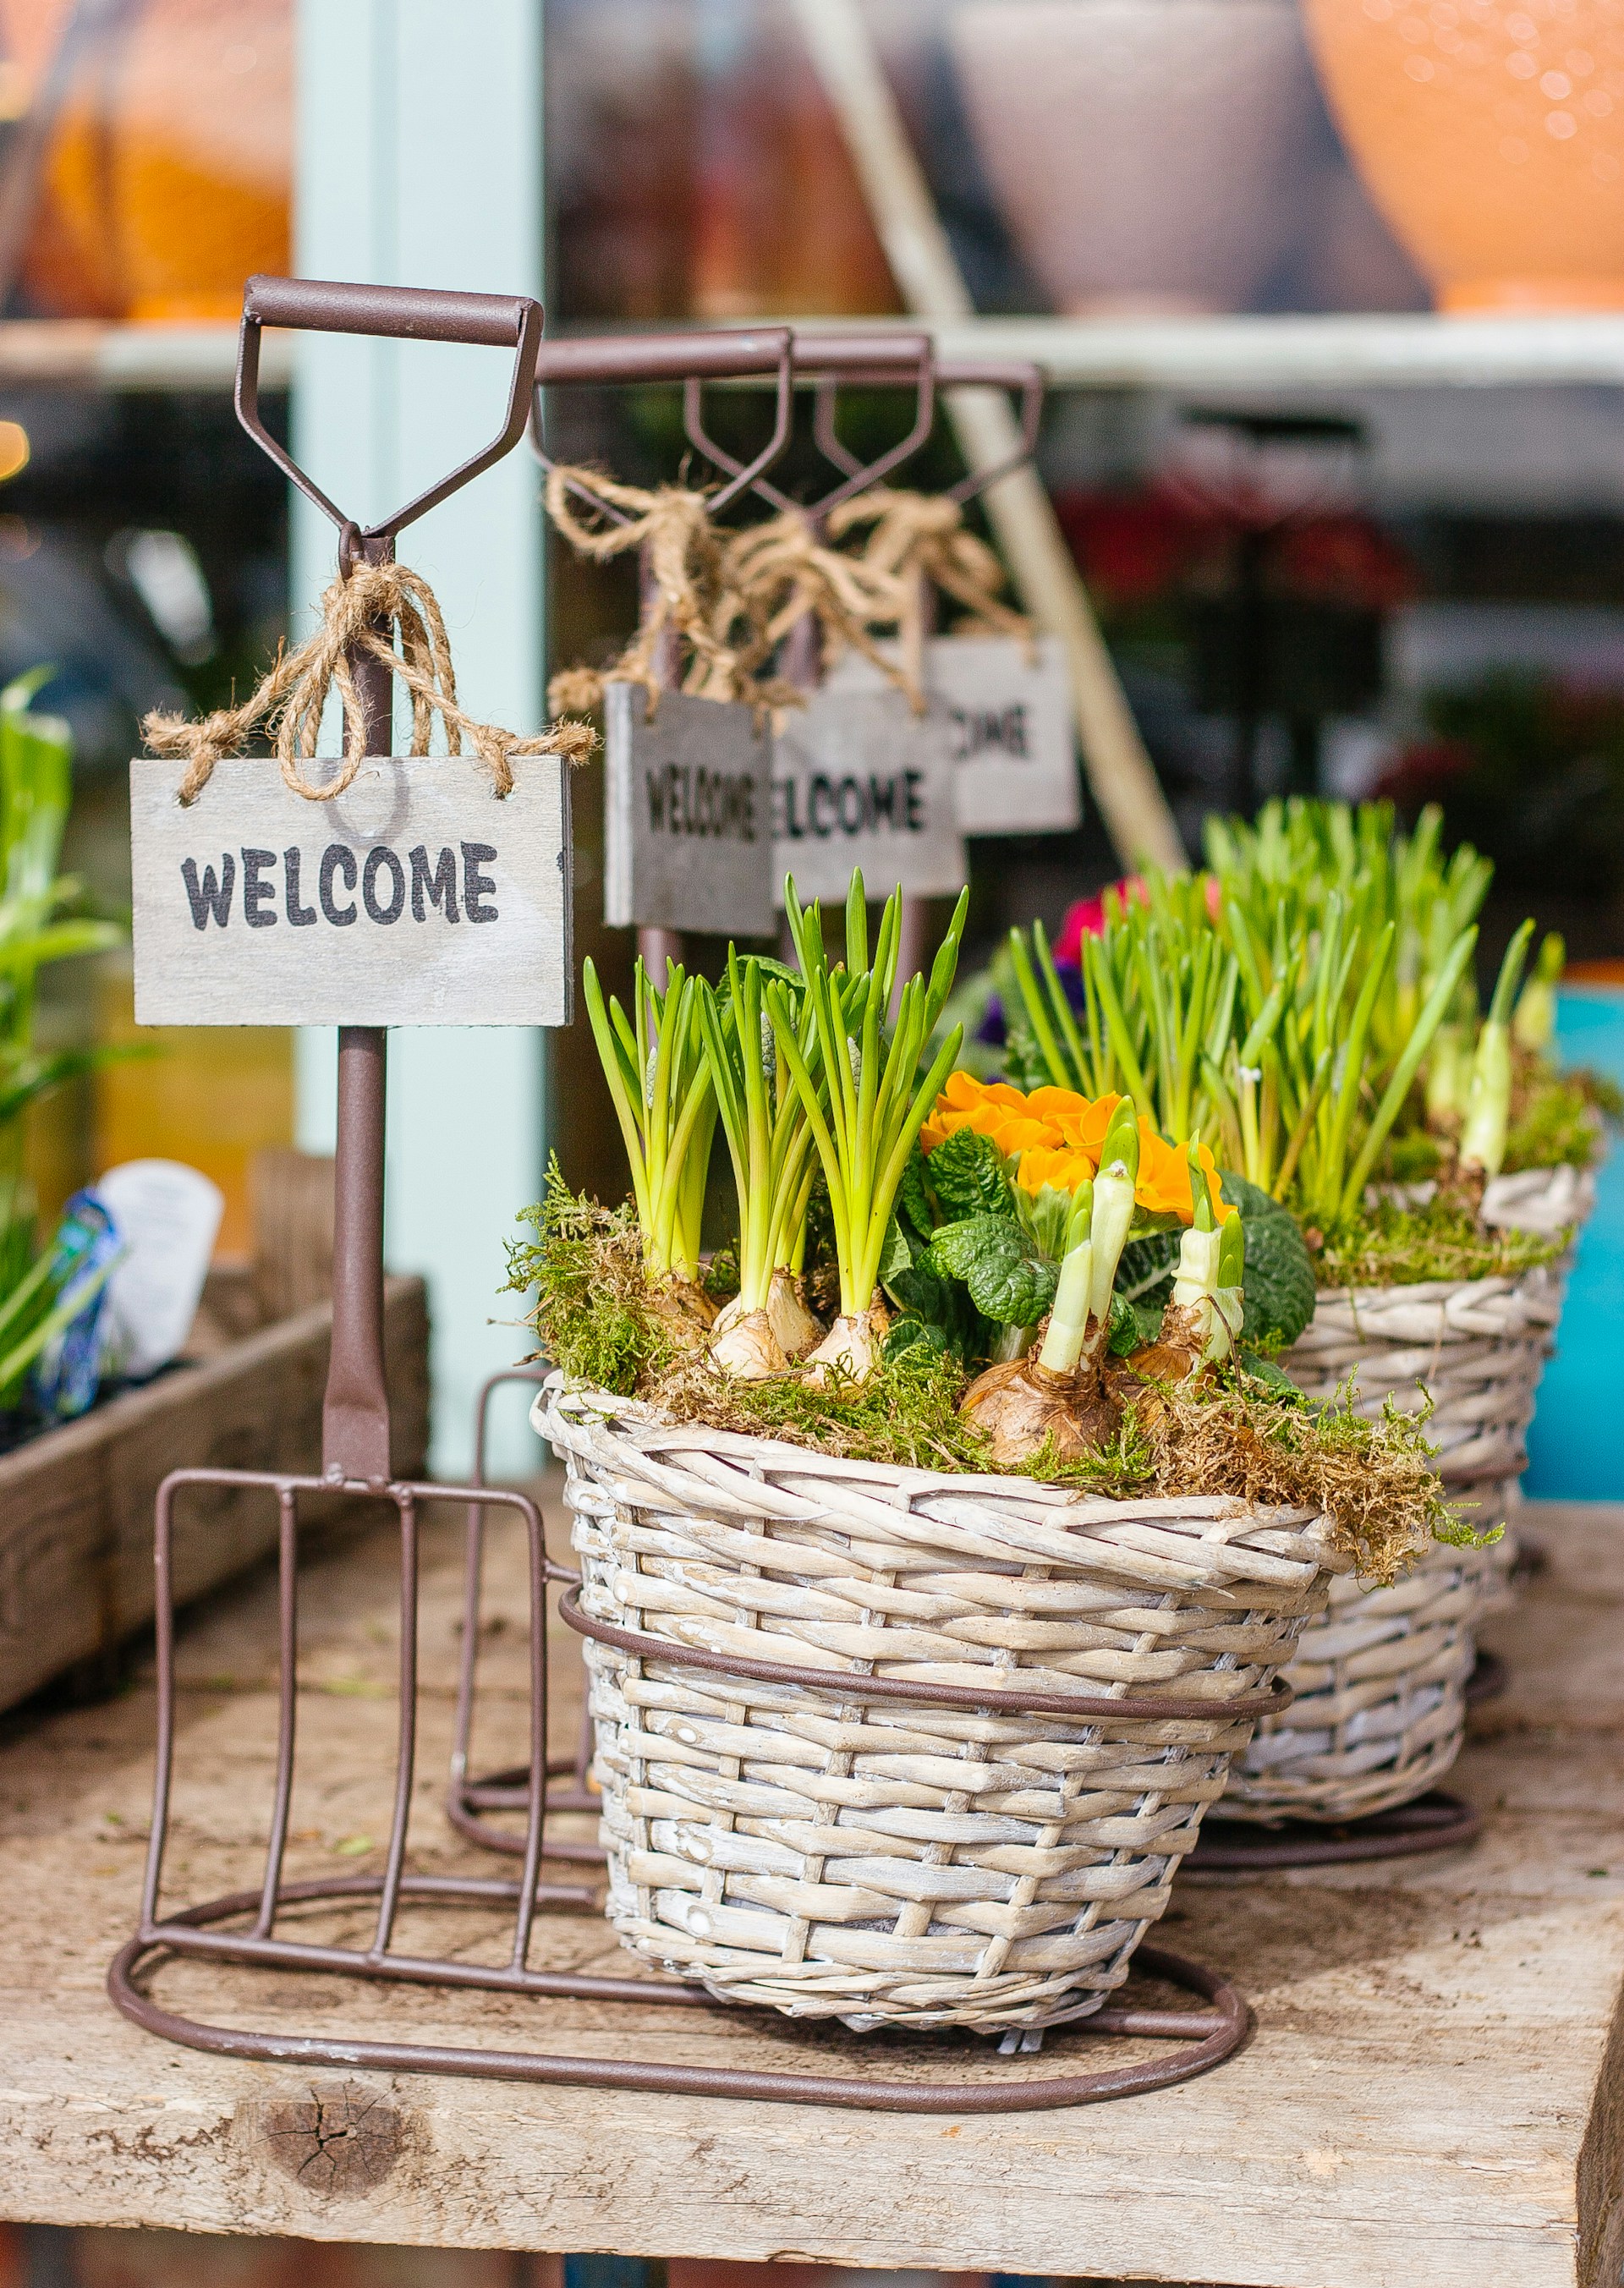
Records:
x=338, y=2139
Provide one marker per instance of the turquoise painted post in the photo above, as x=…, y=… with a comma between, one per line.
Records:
x=419, y=165
x=1576, y=1453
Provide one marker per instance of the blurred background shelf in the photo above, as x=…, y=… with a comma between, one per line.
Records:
x=1292, y=351
x=84, y=353
x=1310, y=351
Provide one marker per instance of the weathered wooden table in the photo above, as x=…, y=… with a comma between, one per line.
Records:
x=1434, y=2094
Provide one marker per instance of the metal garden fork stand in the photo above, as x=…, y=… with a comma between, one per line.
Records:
x=248, y=1928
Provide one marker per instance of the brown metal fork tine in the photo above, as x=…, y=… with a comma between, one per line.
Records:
x=163, y=1751
x=287, y=1705
x=535, y=1827
x=406, y=1750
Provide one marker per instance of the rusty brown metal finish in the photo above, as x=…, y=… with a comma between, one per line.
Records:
x=1438, y=1820
x=467, y=1799
x=242, y=1929
x=1086, y=1707
x=1211, y=2034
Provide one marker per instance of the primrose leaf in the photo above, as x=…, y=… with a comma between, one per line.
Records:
x=958, y=1247
x=991, y=1254
x=1265, y=1370
x=912, y=1198
x=1132, y=1324
x=1279, y=1279
x=1145, y=1274
x=937, y=1310
x=965, y=1172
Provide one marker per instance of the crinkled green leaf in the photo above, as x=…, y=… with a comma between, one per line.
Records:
x=1007, y=1282
x=965, y=1174
x=895, y=1254
x=912, y=1198
x=1279, y=1281
x=936, y=1309
x=1145, y=1274
x=1132, y=1324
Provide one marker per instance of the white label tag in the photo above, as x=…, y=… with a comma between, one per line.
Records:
x=687, y=814
x=860, y=780
x=167, y=1216
x=417, y=897
x=1010, y=731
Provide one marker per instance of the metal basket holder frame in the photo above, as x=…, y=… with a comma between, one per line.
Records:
x=242, y=1928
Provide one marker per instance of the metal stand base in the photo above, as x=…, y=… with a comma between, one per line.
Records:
x=1437, y=1821
x=1208, y=2036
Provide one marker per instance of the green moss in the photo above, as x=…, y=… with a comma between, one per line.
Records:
x=906, y=1415
x=1559, y=1125
x=1124, y=1465
x=591, y=1311
x=1387, y=1246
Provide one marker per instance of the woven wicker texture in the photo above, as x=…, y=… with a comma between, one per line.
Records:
x=1380, y=1715
x=888, y=1862
x=1477, y=1346
x=1380, y=1712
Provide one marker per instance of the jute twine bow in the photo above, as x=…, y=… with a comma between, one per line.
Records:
x=289, y=702
x=685, y=602
x=781, y=571
x=920, y=538
x=728, y=600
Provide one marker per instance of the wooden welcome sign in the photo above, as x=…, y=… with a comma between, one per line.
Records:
x=1005, y=708
x=688, y=837
x=998, y=710
x=417, y=897
x=860, y=780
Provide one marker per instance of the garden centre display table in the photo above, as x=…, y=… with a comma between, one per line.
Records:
x=1434, y=2093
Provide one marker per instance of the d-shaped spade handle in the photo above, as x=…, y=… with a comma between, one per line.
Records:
x=410, y=313
x=356, y=1411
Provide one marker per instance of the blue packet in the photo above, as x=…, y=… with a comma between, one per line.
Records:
x=86, y=1248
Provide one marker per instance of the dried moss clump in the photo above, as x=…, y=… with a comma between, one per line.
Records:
x=1388, y=1246
x=1374, y=1481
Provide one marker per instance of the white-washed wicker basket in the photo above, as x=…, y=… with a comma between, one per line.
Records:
x=1380, y=1713
x=1380, y=1710
x=955, y=1861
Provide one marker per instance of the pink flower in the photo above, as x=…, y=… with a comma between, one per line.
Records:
x=1086, y=918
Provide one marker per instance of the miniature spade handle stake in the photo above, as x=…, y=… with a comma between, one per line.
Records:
x=355, y=1413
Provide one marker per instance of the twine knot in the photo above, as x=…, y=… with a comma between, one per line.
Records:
x=687, y=610
x=361, y=615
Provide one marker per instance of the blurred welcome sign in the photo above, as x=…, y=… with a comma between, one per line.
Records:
x=861, y=779
x=417, y=897
x=687, y=838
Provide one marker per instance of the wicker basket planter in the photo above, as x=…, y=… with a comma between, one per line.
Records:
x=1380, y=1710
x=949, y=1860
x=1380, y=1713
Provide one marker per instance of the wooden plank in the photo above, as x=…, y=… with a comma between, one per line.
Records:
x=1432, y=2095
x=77, y=1504
x=417, y=897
